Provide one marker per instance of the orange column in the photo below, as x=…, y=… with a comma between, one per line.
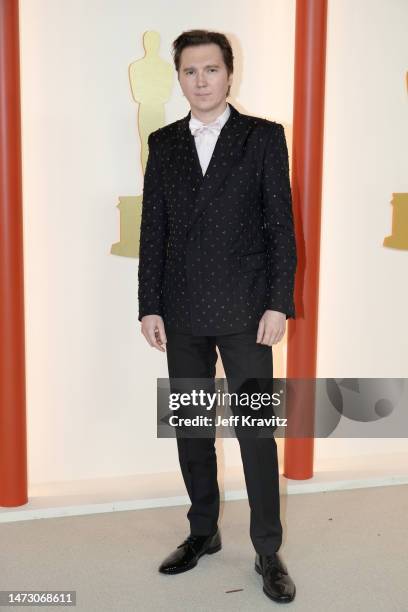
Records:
x=307, y=155
x=13, y=447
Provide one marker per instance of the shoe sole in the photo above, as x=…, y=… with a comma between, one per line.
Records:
x=210, y=551
x=277, y=600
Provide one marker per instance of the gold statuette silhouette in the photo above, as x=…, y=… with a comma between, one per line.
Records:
x=151, y=81
x=399, y=236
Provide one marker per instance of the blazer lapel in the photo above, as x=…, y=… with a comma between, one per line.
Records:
x=227, y=152
x=187, y=162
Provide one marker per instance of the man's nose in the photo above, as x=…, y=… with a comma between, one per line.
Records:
x=201, y=79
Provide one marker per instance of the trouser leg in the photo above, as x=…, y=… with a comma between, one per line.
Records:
x=242, y=359
x=195, y=357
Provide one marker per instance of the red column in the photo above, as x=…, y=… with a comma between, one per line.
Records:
x=13, y=447
x=307, y=155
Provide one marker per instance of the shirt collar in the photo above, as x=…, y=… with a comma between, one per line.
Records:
x=218, y=123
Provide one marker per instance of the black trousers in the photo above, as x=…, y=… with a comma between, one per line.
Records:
x=196, y=356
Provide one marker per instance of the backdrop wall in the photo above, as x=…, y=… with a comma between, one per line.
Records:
x=91, y=377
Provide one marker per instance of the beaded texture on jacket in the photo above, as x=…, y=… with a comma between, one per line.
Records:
x=217, y=250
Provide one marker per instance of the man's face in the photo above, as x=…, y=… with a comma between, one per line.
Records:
x=203, y=78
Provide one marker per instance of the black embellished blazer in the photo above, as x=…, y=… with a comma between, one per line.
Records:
x=217, y=250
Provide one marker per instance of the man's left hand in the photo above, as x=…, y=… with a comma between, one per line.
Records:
x=271, y=327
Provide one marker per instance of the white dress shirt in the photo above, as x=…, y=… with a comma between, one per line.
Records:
x=206, y=136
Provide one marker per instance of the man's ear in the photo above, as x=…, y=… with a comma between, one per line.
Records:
x=229, y=85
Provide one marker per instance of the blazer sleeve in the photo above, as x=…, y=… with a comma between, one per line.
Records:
x=153, y=236
x=278, y=224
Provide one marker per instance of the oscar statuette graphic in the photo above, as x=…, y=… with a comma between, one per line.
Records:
x=151, y=81
x=399, y=235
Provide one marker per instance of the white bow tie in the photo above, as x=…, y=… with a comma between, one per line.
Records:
x=198, y=127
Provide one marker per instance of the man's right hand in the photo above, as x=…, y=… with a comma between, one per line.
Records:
x=153, y=330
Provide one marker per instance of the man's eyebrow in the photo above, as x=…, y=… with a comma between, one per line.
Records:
x=208, y=66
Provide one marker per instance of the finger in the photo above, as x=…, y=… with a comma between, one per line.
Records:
x=158, y=342
x=272, y=340
x=267, y=339
x=161, y=333
x=277, y=339
x=271, y=336
x=145, y=332
x=261, y=328
x=283, y=331
x=153, y=340
x=268, y=331
x=279, y=335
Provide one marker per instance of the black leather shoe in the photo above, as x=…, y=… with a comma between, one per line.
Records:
x=278, y=585
x=186, y=556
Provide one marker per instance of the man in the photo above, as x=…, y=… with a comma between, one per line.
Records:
x=217, y=265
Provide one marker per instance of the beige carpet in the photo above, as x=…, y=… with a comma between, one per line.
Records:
x=346, y=551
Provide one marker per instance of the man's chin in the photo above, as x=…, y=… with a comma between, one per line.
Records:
x=203, y=100
x=206, y=103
